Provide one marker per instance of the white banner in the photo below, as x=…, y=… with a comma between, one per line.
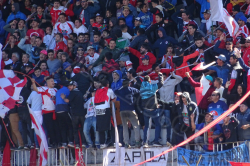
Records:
x=129, y=157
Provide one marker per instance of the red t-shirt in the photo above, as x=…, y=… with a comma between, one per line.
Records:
x=61, y=46
x=32, y=32
x=45, y=73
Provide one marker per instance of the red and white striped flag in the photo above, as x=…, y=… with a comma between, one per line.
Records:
x=10, y=88
x=202, y=90
x=218, y=13
x=41, y=138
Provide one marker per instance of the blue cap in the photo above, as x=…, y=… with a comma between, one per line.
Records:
x=208, y=77
x=65, y=65
x=243, y=18
x=145, y=57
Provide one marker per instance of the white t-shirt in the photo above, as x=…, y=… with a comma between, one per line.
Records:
x=48, y=97
x=185, y=115
x=90, y=105
x=7, y=62
x=81, y=29
x=221, y=89
x=111, y=96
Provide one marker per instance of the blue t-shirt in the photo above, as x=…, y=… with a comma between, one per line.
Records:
x=61, y=105
x=217, y=109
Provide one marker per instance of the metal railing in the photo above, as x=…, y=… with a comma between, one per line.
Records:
x=94, y=157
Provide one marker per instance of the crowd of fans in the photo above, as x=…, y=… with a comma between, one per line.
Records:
x=81, y=56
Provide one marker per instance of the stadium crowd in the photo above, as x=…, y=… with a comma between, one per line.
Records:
x=81, y=56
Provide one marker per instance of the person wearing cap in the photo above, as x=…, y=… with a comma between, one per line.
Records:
x=99, y=23
x=222, y=68
x=208, y=26
x=229, y=129
x=63, y=26
x=128, y=17
x=122, y=63
x=205, y=6
x=91, y=58
x=217, y=107
x=130, y=7
x=182, y=21
x=229, y=47
x=203, y=105
x=143, y=51
x=210, y=136
x=244, y=126
x=67, y=69
x=138, y=24
x=15, y=13
x=111, y=48
x=128, y=66
x=146, y=17
x=145, y=68
x=76, y=101
x=43, y=55
x=242, y=25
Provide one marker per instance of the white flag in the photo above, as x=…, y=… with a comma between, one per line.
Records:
x=218, y=13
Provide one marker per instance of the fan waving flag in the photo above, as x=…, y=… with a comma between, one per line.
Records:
x=202, y=90
x=41, y=138
x=202, y=66
x=218, y=13
x=10, y=88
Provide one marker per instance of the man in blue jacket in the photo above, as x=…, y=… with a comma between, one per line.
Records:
x=89, y=11
x=145, y=15
x=15, y=13
x=229, y=48
x=163, y=42
x=205, y=5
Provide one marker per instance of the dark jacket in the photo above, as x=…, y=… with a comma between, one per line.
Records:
x=22, y=105
x=83, y=80
x=114, y=28
x=222, y=51
x=191, y=108
x=138, y=41
x=2, y=31
x=148, y=94
x=163, y=42
x=89, y=12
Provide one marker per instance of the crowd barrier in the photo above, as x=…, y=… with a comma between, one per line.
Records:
x=94, y=157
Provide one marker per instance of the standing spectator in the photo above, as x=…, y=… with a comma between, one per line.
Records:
x=53, y=64
x=48, y=108
x=103, y=97
x=145, y=16
x=64, y=27
x=150, y=107
x=15, y=13
x=2, y=31
x=75, y=99
x=218, y=85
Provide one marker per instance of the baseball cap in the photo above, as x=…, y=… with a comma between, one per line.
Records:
x=76, y=69
x=179, y=51
x=73, y=83
x=206, y=11
x=44, y=52
x=90, y=47
x=208, y=77
x=221, y=57
x=236, y=8
x=124, y=58
x=210, y=113
x=98, y=15
x=65, y=65
x=128, y=63
x=145, y=57
x=138, y=19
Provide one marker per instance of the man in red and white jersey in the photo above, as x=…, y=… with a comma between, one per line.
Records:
x=64, y=27
x=57, y=10
x=242, y=25
x=60, y=45
x=48, y=107
x=5, y=57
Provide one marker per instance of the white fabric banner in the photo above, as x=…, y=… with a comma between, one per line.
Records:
x=129, y=157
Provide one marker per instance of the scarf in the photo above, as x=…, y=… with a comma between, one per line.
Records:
x=147, y=89
x=207, y=138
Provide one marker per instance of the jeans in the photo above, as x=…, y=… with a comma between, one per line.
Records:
x=90, y=122
x=166, y=113
x=132, y=117
x=155, y=115
x=26, y=127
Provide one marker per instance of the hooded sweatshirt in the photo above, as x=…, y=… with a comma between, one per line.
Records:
x=114, y=28
x=16, y=14
x=163, y=42
x=117, y=84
